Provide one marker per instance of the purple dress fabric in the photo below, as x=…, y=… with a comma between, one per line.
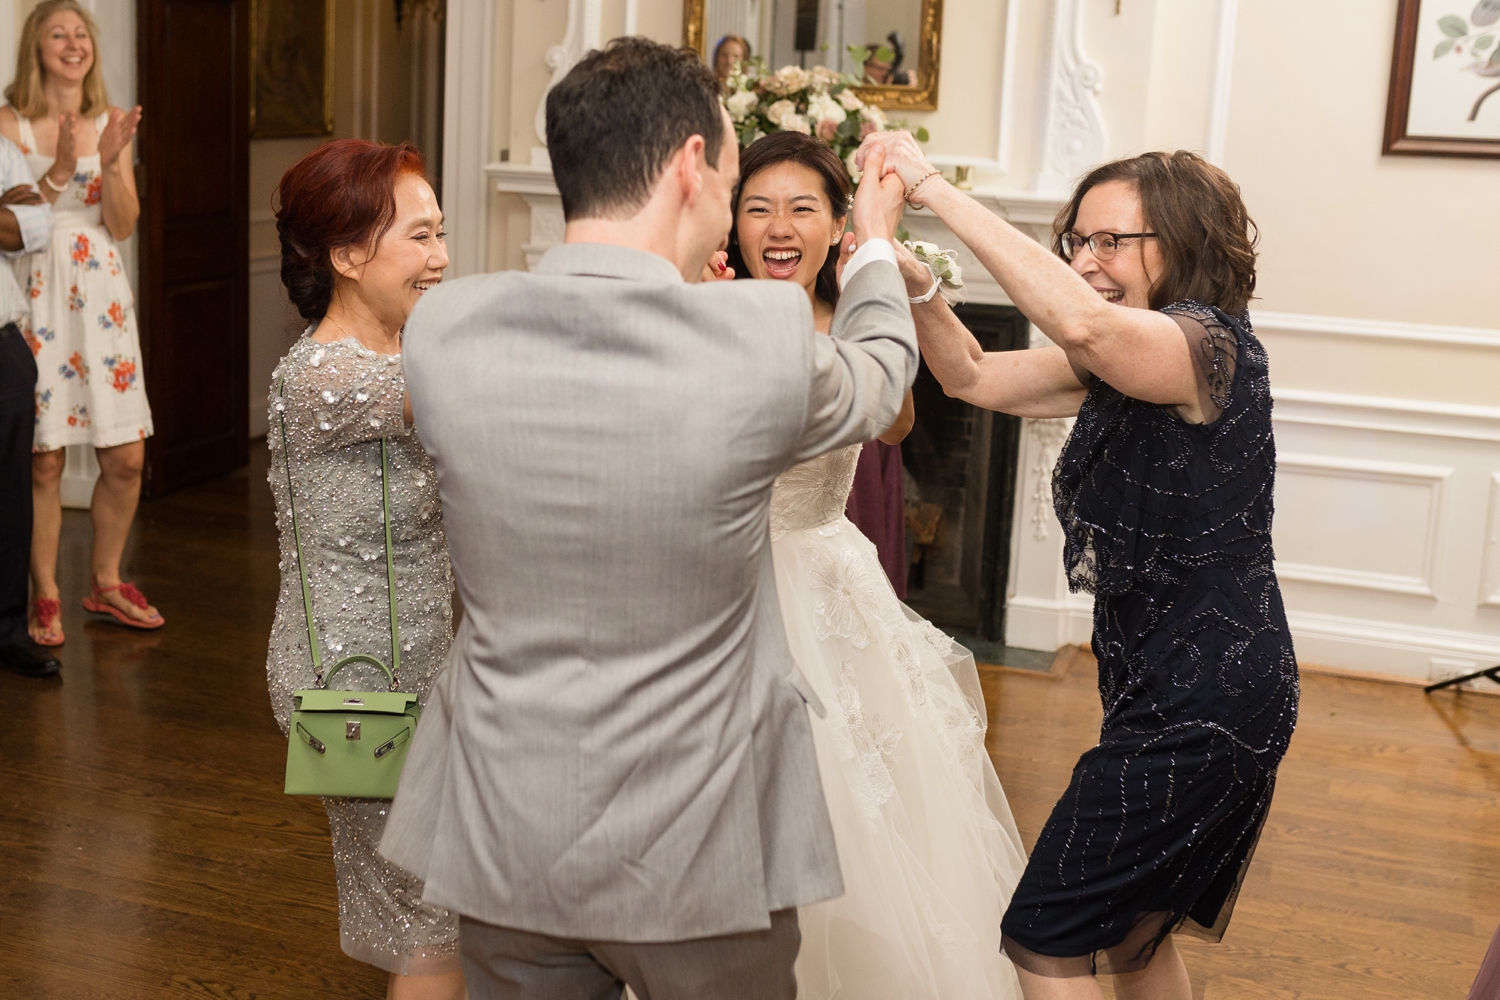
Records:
x=877, y=506
x=1487, y=983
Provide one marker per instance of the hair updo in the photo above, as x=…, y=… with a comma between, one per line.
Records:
x=341, y=194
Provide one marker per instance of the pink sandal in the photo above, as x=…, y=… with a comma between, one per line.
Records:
x=44, y=610
x=130, y=593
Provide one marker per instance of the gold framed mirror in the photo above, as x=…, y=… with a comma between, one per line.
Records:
x=821, y=32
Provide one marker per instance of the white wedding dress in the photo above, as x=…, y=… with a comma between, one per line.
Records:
x=928, y=847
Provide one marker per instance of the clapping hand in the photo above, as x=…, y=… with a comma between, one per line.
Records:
x=21, y=194
x=66, y=160
x=116, y=136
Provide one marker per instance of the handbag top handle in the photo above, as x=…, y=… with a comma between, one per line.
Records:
x=393, y=672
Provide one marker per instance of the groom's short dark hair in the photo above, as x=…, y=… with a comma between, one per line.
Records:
x=618, y=116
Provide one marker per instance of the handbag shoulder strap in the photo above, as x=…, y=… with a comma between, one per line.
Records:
x=390, y=564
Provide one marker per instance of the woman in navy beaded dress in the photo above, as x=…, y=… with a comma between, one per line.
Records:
x=1164, y=492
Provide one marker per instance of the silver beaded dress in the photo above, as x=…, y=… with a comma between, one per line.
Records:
x=339, y=400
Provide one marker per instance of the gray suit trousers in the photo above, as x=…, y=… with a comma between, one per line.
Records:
x=505, y=964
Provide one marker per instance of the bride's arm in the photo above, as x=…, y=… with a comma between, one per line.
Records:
x=1140, y=352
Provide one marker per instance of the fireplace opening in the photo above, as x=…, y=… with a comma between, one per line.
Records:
x=961, y=495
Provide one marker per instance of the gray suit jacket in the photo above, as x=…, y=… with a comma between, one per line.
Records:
x=619, y=747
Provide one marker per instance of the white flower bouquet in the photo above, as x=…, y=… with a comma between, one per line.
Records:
x=817, y=101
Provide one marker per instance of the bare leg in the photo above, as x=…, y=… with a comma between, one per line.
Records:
x=449, y=986
x=1165, y=978
x=46, y=529
x=116, y=494
x=1035, y=987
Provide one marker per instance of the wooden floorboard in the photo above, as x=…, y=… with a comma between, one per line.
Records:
x=149, y=851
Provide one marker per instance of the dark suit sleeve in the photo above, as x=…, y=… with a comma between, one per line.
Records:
x=861, y=373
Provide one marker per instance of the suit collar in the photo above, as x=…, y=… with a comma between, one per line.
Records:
x=605, y=260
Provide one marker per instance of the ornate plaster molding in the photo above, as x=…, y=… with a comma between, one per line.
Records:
x=580, y=38
x=1073, y=136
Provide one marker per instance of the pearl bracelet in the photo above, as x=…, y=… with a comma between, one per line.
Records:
x=59, y=190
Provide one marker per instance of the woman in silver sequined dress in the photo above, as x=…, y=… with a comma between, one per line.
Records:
x=361, y=239
x=928, y=849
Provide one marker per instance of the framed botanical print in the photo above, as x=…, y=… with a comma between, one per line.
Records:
x=291, y=60
x=1445, y=79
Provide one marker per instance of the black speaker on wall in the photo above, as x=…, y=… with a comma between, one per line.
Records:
x=807, y=26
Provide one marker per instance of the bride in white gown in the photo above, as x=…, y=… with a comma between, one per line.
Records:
x=929, y=851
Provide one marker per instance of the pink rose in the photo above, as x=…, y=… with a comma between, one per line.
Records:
x=827, y=129
x=865, y=128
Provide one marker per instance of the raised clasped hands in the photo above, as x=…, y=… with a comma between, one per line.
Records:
x=116, y=136
x=879, y=202
x=899, y=155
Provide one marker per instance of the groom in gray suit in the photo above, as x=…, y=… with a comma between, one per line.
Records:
x=614, y=781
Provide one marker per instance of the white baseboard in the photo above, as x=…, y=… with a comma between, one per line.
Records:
x=1035, y=623
x=82, y=469
x=1384, y=648
x=1351, y=644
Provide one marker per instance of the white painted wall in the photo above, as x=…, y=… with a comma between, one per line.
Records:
x=1377, y=286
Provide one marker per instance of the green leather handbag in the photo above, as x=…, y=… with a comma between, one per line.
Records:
x=348, y=743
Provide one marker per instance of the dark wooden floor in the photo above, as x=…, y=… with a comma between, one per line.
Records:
x=148, y=850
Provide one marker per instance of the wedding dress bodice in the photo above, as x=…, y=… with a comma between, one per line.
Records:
x=814, y=493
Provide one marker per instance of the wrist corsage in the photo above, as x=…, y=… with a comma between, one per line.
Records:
x=942, y=263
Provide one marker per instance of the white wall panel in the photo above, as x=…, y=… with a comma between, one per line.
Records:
x=1332, y=507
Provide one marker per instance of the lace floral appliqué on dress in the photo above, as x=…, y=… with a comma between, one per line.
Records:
x=926, y=842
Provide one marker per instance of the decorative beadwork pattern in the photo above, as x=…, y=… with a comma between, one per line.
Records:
x=1169, y=525
x=339, y=399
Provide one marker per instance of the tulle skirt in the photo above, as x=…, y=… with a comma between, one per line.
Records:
x=929, y=850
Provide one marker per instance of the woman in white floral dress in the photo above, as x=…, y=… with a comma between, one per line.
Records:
x=929, y=852
x=82, y=328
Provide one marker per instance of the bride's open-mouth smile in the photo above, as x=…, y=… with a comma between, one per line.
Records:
x=422, y=286
x=781, y=262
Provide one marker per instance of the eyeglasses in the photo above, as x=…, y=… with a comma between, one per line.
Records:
x=1102, y=245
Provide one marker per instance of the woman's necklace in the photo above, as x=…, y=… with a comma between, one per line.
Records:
x=350, y=335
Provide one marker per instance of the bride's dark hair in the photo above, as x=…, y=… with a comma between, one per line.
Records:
x=815, y=155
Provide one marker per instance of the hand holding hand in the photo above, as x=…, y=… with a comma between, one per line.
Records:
x=880, y=200
x=66, y=160
x=902, y=155
x=21, y=194
x=117, y=135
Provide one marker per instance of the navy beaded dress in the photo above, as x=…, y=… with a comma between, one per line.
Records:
x=1169, y=525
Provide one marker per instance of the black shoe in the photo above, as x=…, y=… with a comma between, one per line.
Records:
x=28, y=659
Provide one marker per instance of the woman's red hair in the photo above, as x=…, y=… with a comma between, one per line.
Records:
x=341, y=194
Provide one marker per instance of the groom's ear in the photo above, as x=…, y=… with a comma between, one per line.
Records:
x=688, y=164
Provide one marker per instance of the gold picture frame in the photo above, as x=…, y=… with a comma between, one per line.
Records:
x=922, y=97
x=291, y=68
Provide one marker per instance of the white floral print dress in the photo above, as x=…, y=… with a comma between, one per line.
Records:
x=929, y=851
x=82, y=328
